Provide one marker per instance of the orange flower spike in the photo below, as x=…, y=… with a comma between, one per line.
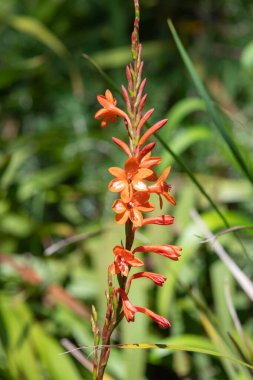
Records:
x=133, y=209
x=129, y=179
x=109, y=112
x=170, y=251
x=123, y=260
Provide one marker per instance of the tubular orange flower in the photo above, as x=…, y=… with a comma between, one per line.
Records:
x=128, y=309
x=145, y=150
x=167, y=250
x=122, y=145
x=158, y=279
x=123, y=260
x=126, y=180
x=162, y=188
x=162, y=220
x=109, y=112
x=144, y=119
x=152, y=130
x=132, y=210
x=163, y=322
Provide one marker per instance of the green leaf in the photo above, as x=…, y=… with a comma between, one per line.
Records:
x=59, y=367
x=226, y=352
x=179, y=347
x=120, y=56
x=20, y=354
x=186, y=340
x=219, y=275
x=182, y=109
x=36, y=29
x=17, y=160
x=44, y=179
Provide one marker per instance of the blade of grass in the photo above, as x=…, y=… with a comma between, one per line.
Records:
x=173, y=347
x=106, y=77
x=36, y=29
x=245, y=283
x=209, y=104
x=220, y=343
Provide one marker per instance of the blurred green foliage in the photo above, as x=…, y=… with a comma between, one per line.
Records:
x=53, y=188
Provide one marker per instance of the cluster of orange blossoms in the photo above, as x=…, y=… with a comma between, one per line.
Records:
x=134, y=184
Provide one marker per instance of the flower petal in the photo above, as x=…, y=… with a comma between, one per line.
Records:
x=146, y=150
x=131, y=165
x=117, y=185
x=152, y=130
x=122, y=145
x=136, y=217
x=149, y=162
x=104, y=102
x=144, y=173
x=140, y=197
x=122, y=218
x=126, y=193
x=162, y=220
x=133, y=261
x=113, y=269
x=117, y=172
x=118, y=206
x=158, y=279
x=101, y=113
x=169, y=198
x=109, y=97
x=146, y=207
x=166, y=250
x=139, y=185
x=164, y=174
x=128, y=308
x=144, y=119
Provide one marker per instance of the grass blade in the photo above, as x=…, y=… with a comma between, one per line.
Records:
x=209, y=104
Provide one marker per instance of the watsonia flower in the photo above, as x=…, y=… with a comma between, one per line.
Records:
x=133, y=209
x=130, y=179
x=134, y=184
x=109, y=112
x=123, y=260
